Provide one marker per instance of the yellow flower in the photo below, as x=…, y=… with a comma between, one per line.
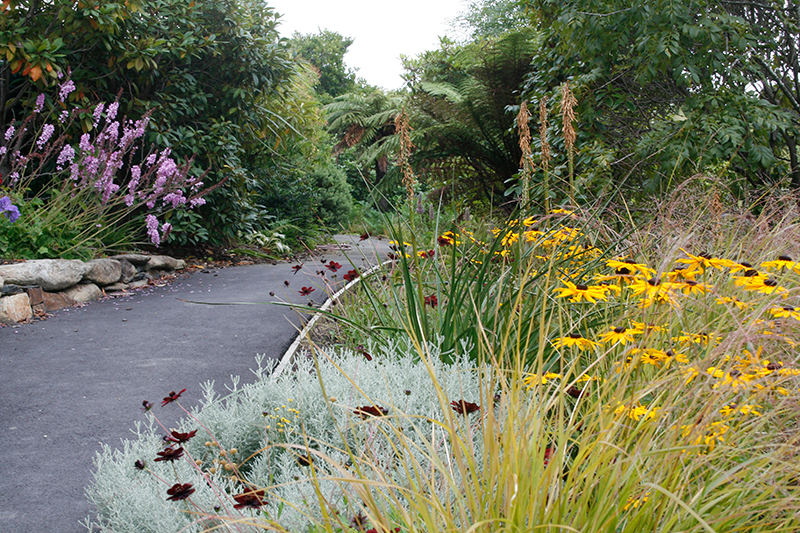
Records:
x=697, y=338
x=783, y=262
x=735, y=301
x=532, y=235
x=530, y=221
x=745, y=409
x=689, y=373
x=763, y=285
x=575, y=293
x=574, y=339
x=619, y=335
x=786, y=312
x=692, y=287
x=531, y=380
x=702, y=261
x=623, y=267
x=648, y=328
x=637, y=412
x=633, y=502
x=679, y=274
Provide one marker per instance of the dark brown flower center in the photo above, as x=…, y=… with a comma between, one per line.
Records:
x=581, y=287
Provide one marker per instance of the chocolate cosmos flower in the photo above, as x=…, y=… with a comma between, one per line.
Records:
x=252, y=499
x=180, y=438
x=172, y=397
x=170, y=454
x=351, y=275
x=333, y=266
x=297, y=268
x=366, y=411
x=305, y=291
x=180, y=492
x=464, y=407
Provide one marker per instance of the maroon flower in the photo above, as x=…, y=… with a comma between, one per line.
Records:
x=444, y=240
x=548, y=453
x=375, y=530
x=431, y=300
x=304, y=460
x=172, y=397
x=366, y=411
x=252, y=499
x=286, y=283
x=360, y=349
x=364, y=236
x=305, y=291
x=139, y=464
x=297, y=268
x=170, y=454
x=180, y=438
x=574, y=391
x=351, y=275
x=146, y=406
x=464, y=407
x=333, y=266
x=180, y=492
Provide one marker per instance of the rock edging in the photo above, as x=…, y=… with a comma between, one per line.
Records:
x=43, y=285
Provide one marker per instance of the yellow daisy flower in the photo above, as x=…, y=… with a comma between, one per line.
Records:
x=785, y=312
x=702, y=261
x=578, y=292
x=783, y=262
x=619, y=335
x=734, y=301
x=624, y=267
x=574, y=339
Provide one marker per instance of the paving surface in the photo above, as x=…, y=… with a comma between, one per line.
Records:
x=78, y=379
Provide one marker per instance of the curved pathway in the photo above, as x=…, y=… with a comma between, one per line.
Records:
x=78, y=379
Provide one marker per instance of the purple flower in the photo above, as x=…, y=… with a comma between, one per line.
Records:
x=194, y=202
x=66, y=156
x=62, y=118
x=111, y=112
x=86, y=143
x=3, y=150
x=10, y=132
x=39, y=103
x=65, y=89
x=174, y=198
x=152, y=230
x=98, y=112
x=47, y=132
x=8, y=209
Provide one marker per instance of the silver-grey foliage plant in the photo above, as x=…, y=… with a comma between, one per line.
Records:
x=271, y=423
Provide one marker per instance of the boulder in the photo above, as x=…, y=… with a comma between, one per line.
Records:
x=84, y=293
x=15, y=308
x=116, y=287
x=54, y=301
x=49, y=274
x=134, y=259
x=103, y=271
x=164, y=262
x=2, y=282
x=128, y=270
x=139, y=283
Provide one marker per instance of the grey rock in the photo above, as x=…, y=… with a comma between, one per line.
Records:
x=10, y=290
x=116, y=287
x=49, y=274
x=2, y=282
x=164, y=262
x=15, y=308
x=139, y=283
x=134, y=259
x=103, y=271
x=128, y=270
x=84, y=293
x=142, y=276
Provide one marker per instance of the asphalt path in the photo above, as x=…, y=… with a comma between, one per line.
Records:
x=78, y=379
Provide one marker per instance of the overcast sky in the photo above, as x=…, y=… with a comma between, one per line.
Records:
x=382, y=30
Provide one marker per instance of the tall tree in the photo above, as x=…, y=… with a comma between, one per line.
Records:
x=326, y=50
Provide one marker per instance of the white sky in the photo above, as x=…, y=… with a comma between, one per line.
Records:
x=382, y=30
